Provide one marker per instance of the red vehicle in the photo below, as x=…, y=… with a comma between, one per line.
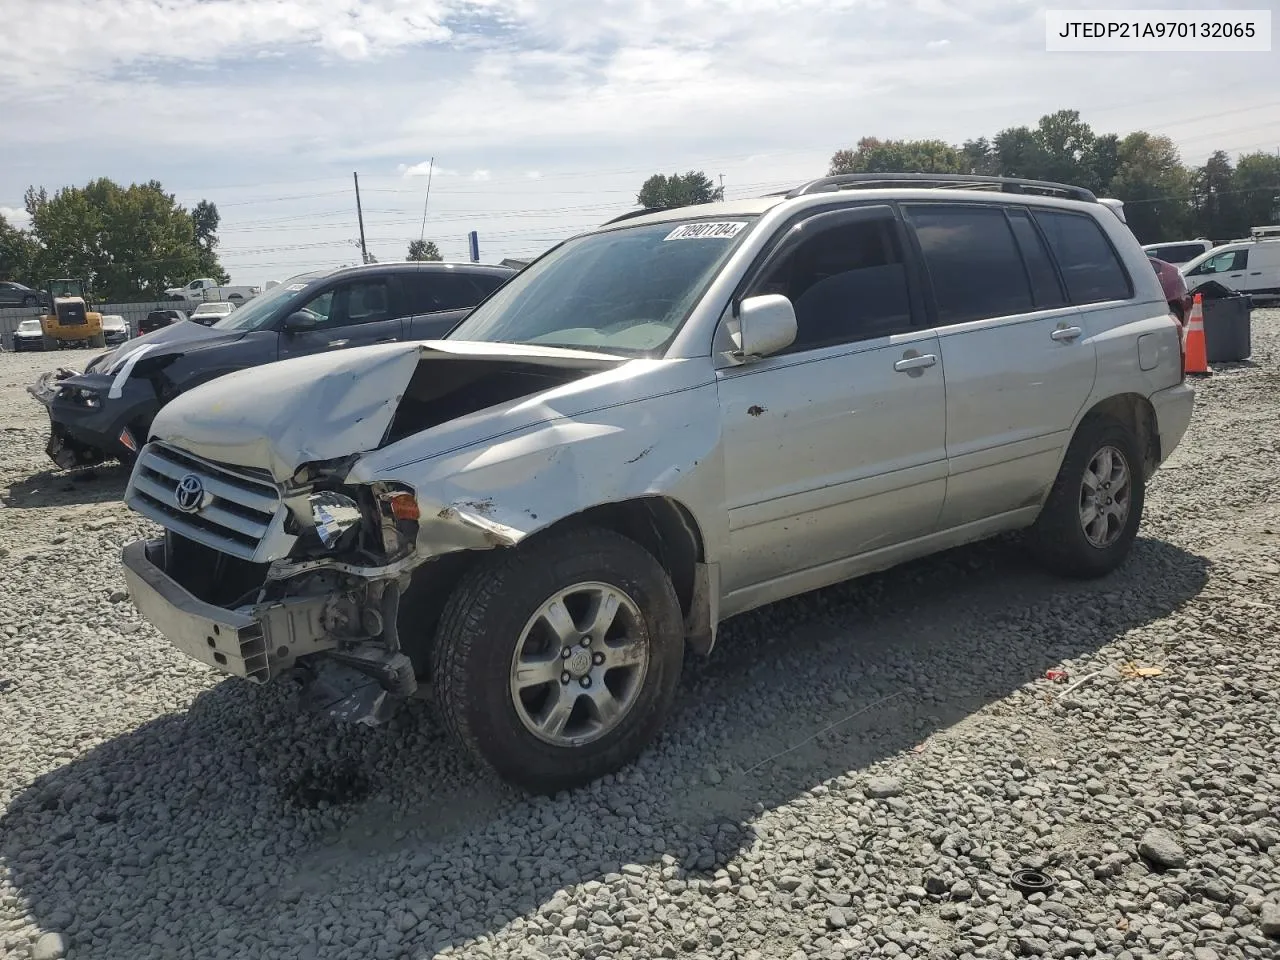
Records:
x=1175, y=289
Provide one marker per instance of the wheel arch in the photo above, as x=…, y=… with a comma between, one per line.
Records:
x=1137, y=414
x=662, y=525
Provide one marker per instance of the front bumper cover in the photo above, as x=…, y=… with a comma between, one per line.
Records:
x=84, y=436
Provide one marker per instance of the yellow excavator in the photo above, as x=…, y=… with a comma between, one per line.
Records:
x=71, y=321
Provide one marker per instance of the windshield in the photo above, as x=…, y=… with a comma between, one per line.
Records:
x=623, y=291
x=29, y=325
x=258, y=311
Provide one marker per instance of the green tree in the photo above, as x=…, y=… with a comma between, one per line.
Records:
x=1218, y=209
x=874, y=155
x=128, y=242
x=1064, y=141
x=1258, y=182
x=1155, y=187
x=661, y=192
x=205, y=219
x=1102, y=160
x=17, y=249
x=1020, y=154
x=980, y=157
x=423, y=250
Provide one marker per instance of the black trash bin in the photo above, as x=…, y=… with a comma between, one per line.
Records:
x=1228, y=326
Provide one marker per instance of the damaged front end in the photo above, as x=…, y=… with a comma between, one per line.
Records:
x=323, y=612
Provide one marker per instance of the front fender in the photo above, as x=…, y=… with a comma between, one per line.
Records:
x=501, y=491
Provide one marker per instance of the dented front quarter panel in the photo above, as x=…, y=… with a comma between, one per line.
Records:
x=492, y=478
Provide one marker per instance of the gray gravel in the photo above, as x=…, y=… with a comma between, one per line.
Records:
x=854, y=773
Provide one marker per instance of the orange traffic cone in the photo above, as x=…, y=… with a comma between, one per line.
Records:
x=1196, y=357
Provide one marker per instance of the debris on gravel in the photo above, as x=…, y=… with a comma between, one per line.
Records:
x=858, y=772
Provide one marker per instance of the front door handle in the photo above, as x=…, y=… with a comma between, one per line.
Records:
x=338, y=343
x=918, y=362
x=1065, y=334
x=386, y=340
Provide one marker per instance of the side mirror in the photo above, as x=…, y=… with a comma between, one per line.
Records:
x=299, y=322
x=766, y=324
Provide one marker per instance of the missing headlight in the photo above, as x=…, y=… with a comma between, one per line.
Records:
x=333, y=516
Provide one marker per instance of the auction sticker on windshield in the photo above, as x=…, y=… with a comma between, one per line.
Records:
x=723, y=230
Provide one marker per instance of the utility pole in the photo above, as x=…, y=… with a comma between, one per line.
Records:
x=722, y=186
x=431, y=167
x=364, y=252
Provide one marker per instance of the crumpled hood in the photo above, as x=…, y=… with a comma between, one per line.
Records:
x=322, y=407
x=175, y=338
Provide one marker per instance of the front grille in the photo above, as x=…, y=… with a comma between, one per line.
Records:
x=239, y=507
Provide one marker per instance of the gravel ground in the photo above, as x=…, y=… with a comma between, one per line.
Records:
x=854, y=773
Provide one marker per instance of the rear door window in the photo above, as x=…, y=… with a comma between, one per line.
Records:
x=973, y=262
x=1090, y=266
x=431, y=291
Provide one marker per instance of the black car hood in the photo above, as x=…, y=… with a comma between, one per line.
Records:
x=176, y=338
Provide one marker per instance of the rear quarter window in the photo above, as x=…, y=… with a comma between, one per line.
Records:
x=1090, y=266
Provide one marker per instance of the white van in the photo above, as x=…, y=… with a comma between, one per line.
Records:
x=1178, y=251
x=1249, y=266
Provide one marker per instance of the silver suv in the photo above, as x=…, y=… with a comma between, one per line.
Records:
x=659, y=424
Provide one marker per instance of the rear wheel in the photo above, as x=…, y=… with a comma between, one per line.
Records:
x=1091, y=517
x=556, y=662
x=48, y=343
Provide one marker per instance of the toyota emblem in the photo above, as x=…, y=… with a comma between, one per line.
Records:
x=189, y=494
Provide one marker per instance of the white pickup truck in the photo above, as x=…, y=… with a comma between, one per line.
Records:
x=206, y=288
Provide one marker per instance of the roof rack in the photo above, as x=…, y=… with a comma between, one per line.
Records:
x=938, y=181
x=634, y=213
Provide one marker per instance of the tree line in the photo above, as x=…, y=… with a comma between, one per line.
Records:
x=127, y=243
x=1164, y=198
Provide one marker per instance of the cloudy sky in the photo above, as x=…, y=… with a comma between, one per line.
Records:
x=544, y=116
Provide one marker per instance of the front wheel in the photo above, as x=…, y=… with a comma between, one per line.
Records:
x=1091, y=517
x=557, y=662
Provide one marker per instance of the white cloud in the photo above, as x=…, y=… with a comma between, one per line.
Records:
x=481, y=175
x=104, y=37
x=16, y=216
x=937, y=44
x=424, y=168
x=533, y=175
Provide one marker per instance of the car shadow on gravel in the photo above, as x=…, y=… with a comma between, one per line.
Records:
x=246, y=815
x=58, y=488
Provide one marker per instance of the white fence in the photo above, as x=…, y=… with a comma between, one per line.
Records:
x=133, y=313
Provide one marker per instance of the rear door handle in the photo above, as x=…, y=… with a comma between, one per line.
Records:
x=386, y=340
x=1065, y=334
x=915, y=363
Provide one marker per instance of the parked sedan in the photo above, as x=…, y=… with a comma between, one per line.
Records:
x=115, y=329
x=207, y=314
x=28, y=336
x=17, y=295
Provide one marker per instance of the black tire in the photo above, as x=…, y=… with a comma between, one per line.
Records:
x=1058, y=539
x=482, y=623
x=49, y=343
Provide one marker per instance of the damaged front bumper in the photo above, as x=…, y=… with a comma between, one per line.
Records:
x=88, y=423
x=298, y=637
